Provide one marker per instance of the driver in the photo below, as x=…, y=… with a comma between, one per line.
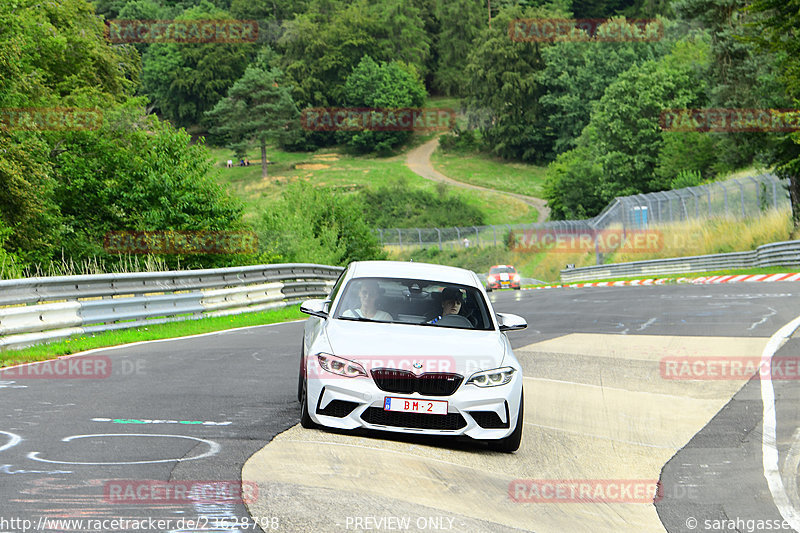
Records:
x=451, y=303
x=368, y=293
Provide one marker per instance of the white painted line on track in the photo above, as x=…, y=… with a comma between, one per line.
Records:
x=14, y=439
x=213, y=449
x=790, y=465
x=769, y=449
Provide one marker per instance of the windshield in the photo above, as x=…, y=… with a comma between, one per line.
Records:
x=414, y=301
x=502, y=270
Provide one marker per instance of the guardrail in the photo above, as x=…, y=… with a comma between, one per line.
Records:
x=35, y=310
x=774, y=254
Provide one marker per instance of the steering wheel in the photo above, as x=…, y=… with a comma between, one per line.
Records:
x=455, y=320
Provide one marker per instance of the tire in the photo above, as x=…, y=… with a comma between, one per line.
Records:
x=488, y=289
x=511, y=443
x=517, y=288
x=305, y=418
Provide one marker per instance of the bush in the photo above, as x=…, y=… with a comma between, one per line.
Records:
x=460, y=141
x=399, y=206
x=317, y=225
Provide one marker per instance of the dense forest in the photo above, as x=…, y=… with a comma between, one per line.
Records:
x=587, y=108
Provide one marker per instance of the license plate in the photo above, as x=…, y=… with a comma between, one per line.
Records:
x=412, y=405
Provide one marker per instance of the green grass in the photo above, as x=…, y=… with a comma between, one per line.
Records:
x=157, y=331
x=486, y=171
x=447, y=102
x=345, y=172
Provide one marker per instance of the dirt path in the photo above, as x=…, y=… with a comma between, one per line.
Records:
x=419, y=161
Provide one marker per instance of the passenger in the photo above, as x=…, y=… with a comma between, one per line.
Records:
x=368, y=292
x=451, y=303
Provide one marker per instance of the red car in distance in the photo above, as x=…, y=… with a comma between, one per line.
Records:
x=502, y=277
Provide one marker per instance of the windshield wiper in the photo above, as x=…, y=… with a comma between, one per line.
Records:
x=362, y=319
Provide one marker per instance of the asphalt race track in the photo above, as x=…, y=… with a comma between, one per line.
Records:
x=624, y=430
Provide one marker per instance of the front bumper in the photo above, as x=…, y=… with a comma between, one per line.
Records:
x=479, y=413
x=497, y=285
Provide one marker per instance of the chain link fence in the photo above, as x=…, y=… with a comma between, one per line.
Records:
x=739, y=198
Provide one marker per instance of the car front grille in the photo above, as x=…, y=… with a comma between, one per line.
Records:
x=406, y=382
x=379, y=417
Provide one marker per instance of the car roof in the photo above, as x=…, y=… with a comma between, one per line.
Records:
x=403, y=269
x=502, y=266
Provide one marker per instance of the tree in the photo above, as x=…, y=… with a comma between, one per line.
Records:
x=775, y=31
x=138, y=173
x=575, y=76
x=624, y=129
x=618, y=152
x=184, y=80
x=739, y=75
x=52, y=55
x=460, y=23
x=388, y=85
x=321, y=47
x=257, y=109
x=504, y=90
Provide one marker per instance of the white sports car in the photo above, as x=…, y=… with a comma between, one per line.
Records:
x=411, y=348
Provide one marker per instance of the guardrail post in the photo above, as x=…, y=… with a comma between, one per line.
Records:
x=439, y=234
x=399, y=237
x=380, y=232
x=494, y=232
x=419, y=233
x=477, y=237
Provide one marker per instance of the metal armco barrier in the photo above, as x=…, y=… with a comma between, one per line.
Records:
x=36, y=310
x=774, y=254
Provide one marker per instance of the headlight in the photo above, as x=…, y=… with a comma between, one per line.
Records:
x=340, y=366
x=492, y=378
x=516, y=277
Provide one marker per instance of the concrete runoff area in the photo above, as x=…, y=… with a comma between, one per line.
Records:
x=597, y=409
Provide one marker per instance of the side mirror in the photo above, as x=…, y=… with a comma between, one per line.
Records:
x=509, y=322
x=315, y=307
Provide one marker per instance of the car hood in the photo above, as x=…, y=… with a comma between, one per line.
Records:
x=416, y=348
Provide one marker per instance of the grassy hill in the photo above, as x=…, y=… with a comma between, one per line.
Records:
x=348, y=173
